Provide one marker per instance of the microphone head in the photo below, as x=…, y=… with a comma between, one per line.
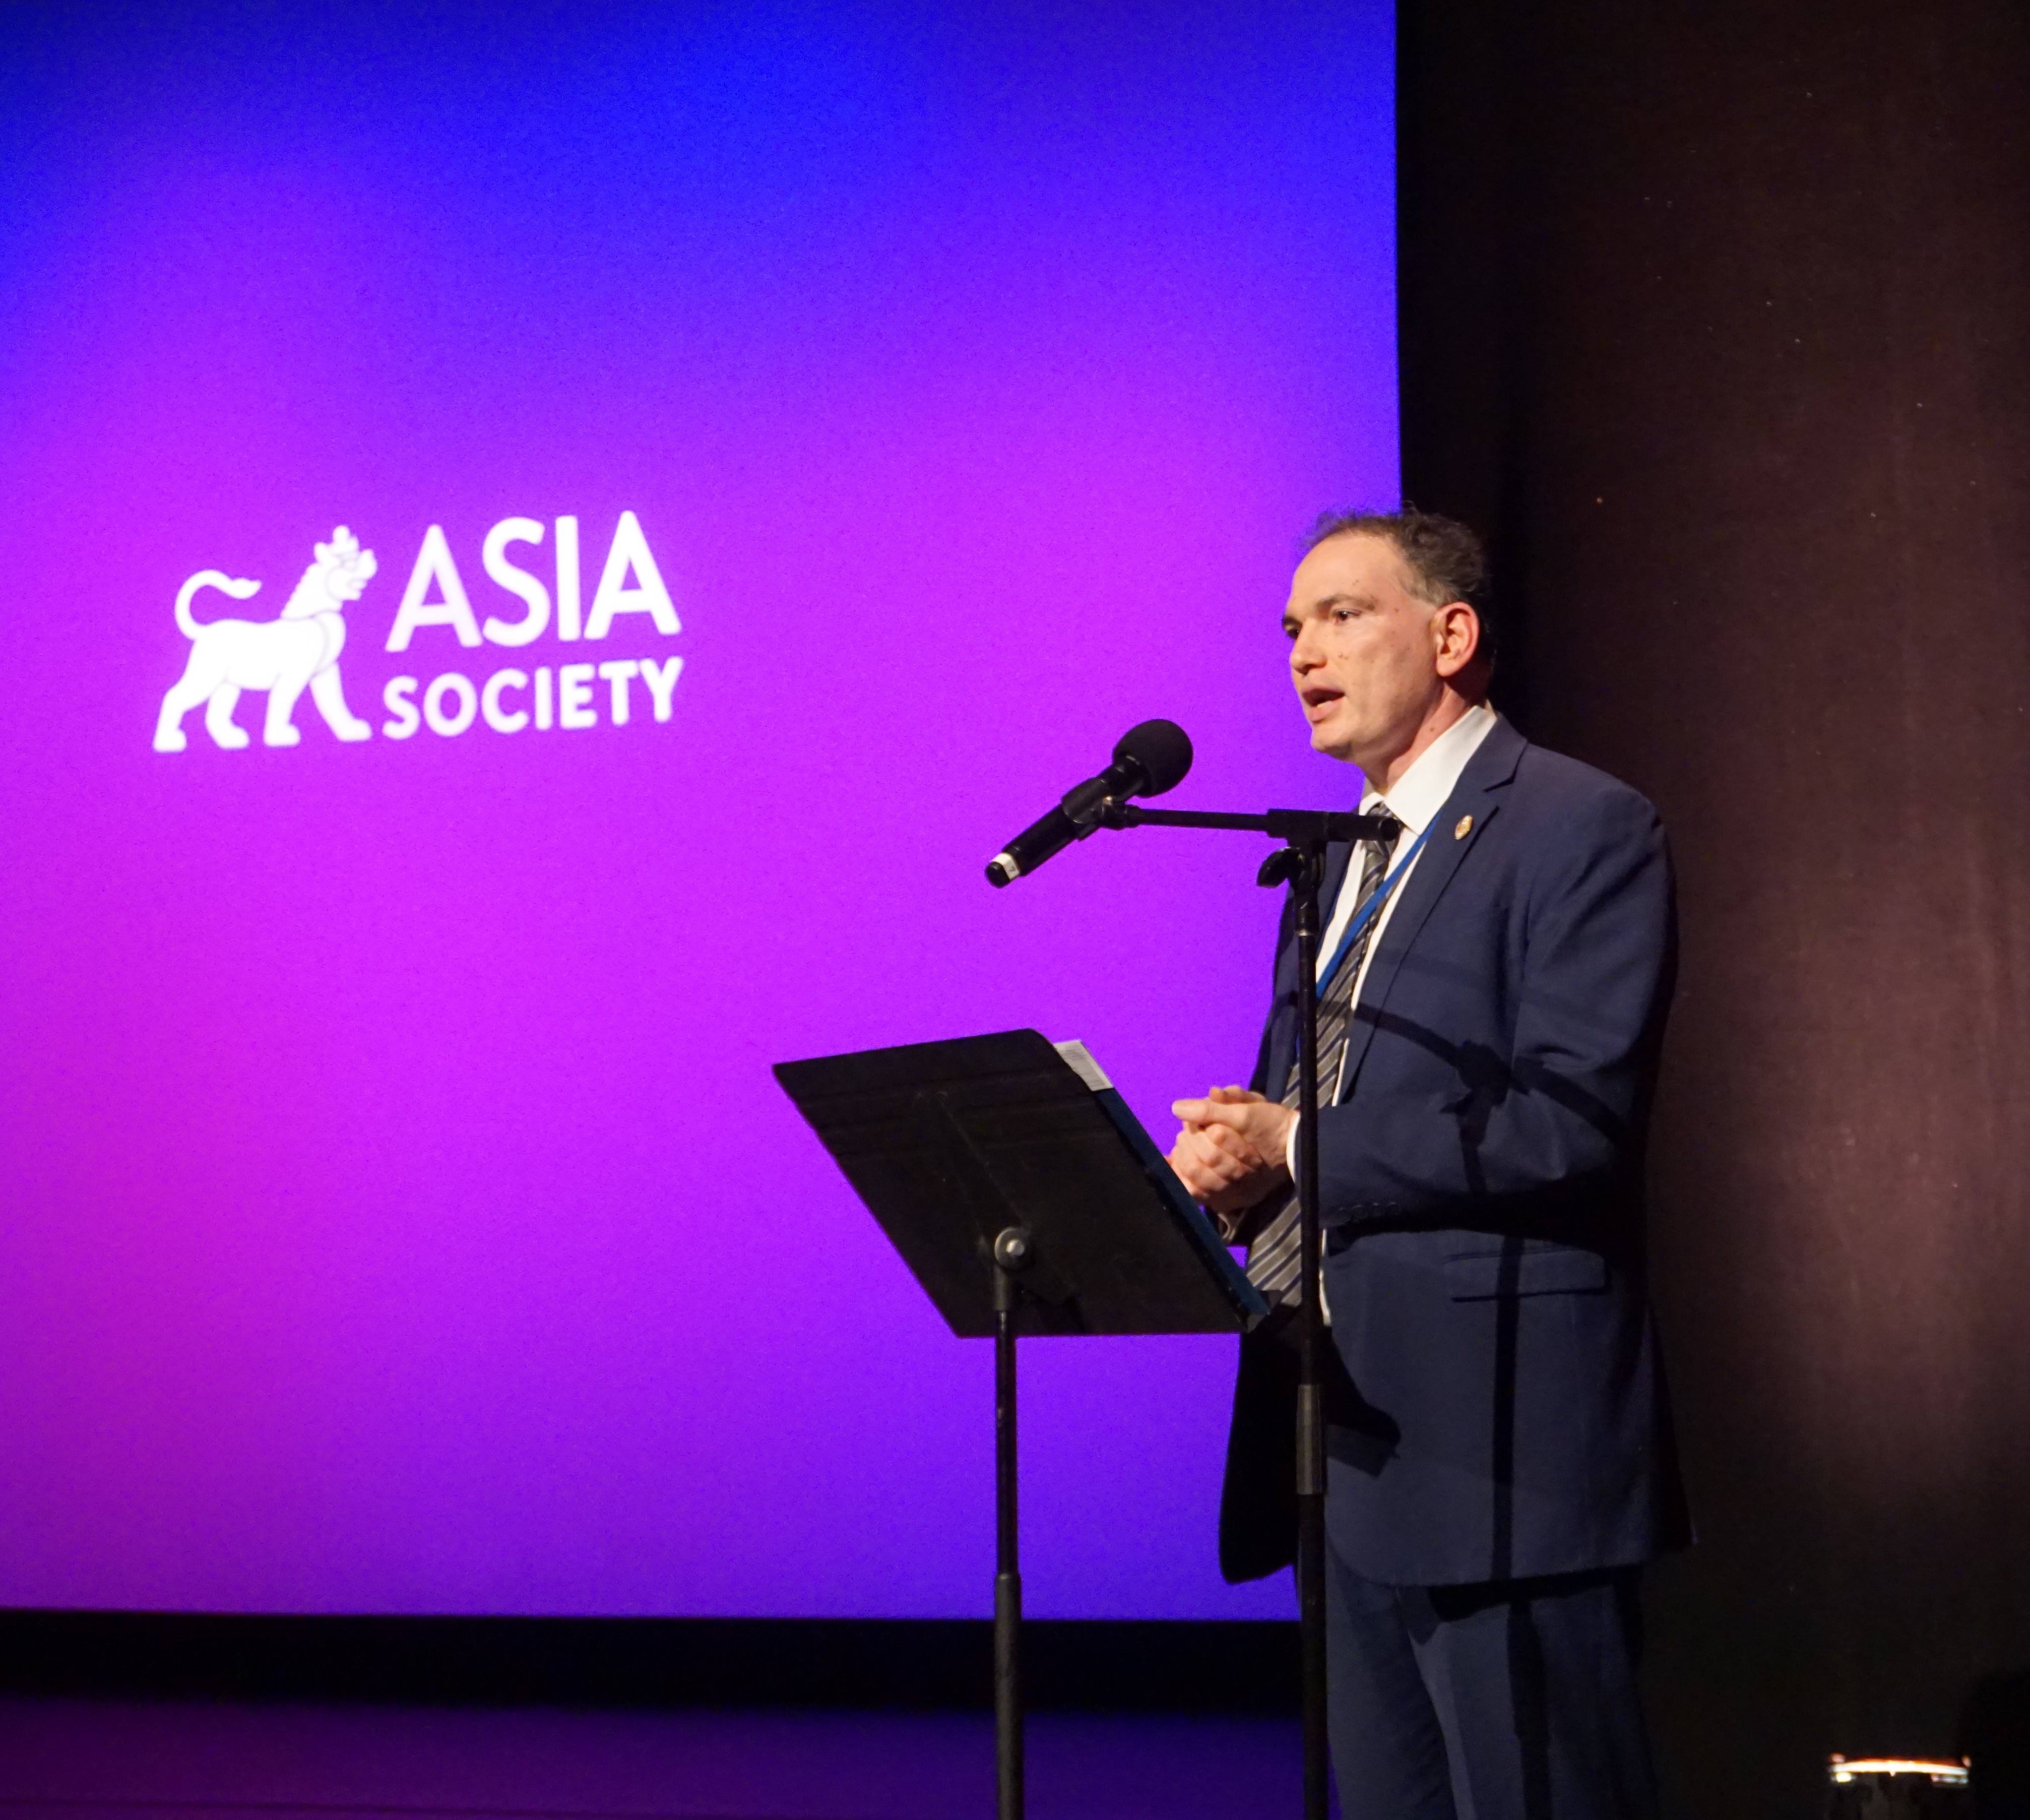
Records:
x=1160, y=750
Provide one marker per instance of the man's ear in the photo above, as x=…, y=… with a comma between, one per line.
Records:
x=1456, y=631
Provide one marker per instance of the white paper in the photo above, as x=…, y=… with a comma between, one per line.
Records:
x=1082, y=1064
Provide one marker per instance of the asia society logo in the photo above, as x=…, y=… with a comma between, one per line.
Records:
x=299, y=649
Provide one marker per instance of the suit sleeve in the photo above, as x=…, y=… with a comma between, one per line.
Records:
x=1471, y=1134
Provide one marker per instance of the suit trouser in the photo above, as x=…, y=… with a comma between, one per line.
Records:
x=1513, y=1700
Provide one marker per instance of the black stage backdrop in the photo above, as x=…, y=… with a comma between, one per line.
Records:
x=1718, y=318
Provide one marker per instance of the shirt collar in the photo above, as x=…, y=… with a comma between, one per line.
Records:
x=1421, y=790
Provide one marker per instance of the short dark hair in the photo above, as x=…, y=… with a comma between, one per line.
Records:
x=1446, y=560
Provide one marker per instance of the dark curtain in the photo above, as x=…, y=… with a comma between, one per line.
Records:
x=1717, y=319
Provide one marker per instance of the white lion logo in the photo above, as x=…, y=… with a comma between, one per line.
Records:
x=283, y=655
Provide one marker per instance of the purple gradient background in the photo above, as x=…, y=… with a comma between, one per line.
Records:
x=400, y=1216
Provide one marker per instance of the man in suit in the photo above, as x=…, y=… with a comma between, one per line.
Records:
x=1499, y=1458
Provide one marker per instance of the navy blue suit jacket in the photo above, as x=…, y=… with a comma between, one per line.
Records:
x=1502, y=1413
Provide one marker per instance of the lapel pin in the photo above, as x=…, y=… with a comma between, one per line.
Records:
x=1464, y=828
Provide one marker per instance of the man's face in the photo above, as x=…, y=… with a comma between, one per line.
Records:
x=1364, y=651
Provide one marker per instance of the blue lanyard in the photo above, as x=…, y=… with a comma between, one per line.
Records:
x=1368, y=911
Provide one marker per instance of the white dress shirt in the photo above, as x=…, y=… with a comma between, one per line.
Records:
x=1417, y=796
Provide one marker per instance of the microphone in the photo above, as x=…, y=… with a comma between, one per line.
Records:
x=1150, y=759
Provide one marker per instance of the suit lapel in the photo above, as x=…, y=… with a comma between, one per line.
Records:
x=1283, y=1054
x=1338, y=856
x=1477, y=793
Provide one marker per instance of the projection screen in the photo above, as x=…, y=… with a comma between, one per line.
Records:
x=545, y=548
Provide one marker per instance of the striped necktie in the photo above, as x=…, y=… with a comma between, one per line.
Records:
x=1273, y=1259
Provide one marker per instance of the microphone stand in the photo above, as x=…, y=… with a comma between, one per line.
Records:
x=1301, y=865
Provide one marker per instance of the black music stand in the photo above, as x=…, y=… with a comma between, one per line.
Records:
x=1025, y=1198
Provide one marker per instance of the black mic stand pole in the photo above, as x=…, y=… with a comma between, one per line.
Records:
x=1301, y=865
x=1303, y=868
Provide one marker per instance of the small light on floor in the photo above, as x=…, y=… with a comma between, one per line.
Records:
x=1893, y=1787
x=1937, y=1768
